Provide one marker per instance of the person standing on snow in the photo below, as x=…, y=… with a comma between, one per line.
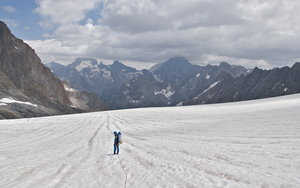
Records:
x=116, y=143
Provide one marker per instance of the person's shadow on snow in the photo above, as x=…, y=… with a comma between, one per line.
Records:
x=110, y=154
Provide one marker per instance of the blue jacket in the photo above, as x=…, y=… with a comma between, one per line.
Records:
x=117, y=139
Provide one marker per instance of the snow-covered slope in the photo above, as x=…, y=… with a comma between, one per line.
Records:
x=242, y=144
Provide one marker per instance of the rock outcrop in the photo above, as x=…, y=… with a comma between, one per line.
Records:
x=86, y=74
x=21, y=65
x=24, y=78
x=256, y=85
x=85, y=100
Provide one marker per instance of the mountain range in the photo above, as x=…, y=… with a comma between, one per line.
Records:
x=28, y=88
x=176, y=82
x=125, y=87
x=86, y=74
x=171, y=88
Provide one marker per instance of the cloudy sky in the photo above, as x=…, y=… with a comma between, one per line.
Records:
x=263, y=33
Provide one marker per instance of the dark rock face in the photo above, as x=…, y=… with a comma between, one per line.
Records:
x=212, y=84
x=24, y=78
x=256, y=85
x=166, y=84
x=141, y=92
x=177, y=82
x=204, y=79
x=20, y=64
x=84, y=100
x=155, y=87
x=86, y=74
x=234, y=70
x=177, y=68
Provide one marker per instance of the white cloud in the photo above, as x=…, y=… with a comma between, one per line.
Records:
x=251, y=33
x=9, y=9
x=89, y=20
x=57, y=12
x=60, y=51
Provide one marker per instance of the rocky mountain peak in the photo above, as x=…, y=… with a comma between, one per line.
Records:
x=177, y=68
x=54, y=66
x=234, y=70
x=178, y=61
x=224, y=65
x=116, y=62
x=101, y=65
x=296, y=66
x=117, y=65
x=20, y=64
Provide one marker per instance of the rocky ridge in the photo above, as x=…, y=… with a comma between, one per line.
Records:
x=27, y=87
x=256, y=85
x=86, y=74
x=177, y=82
x=177, y=89
x=85, y=100
x=165, y=84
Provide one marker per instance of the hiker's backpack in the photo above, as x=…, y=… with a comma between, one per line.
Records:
x=120, y=137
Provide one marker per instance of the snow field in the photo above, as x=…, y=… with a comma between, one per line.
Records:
x=242, y=144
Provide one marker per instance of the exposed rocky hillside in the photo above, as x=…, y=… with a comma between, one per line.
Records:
x=20, y=64
x=177, y=82
x=27, y=87
x=203, y=79
x=177, y=68
x=107, y=81
x=256, y=85
x=90, y=102
x=141, y=92
x=87, y=74
x=170, y=83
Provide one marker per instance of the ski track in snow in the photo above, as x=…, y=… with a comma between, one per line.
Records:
x=241, y=144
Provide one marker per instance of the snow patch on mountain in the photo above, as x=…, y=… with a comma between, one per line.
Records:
x=134, y=101
x=94, y=67
x=211, y=86
x=236, y=94
x=106, y=74
x=166, y=92
x=84, y=64
x=69, y=89
x=179, y=104
x=5, y=101
x=157, y=78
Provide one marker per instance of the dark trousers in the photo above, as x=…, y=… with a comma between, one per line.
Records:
x=116, y=147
